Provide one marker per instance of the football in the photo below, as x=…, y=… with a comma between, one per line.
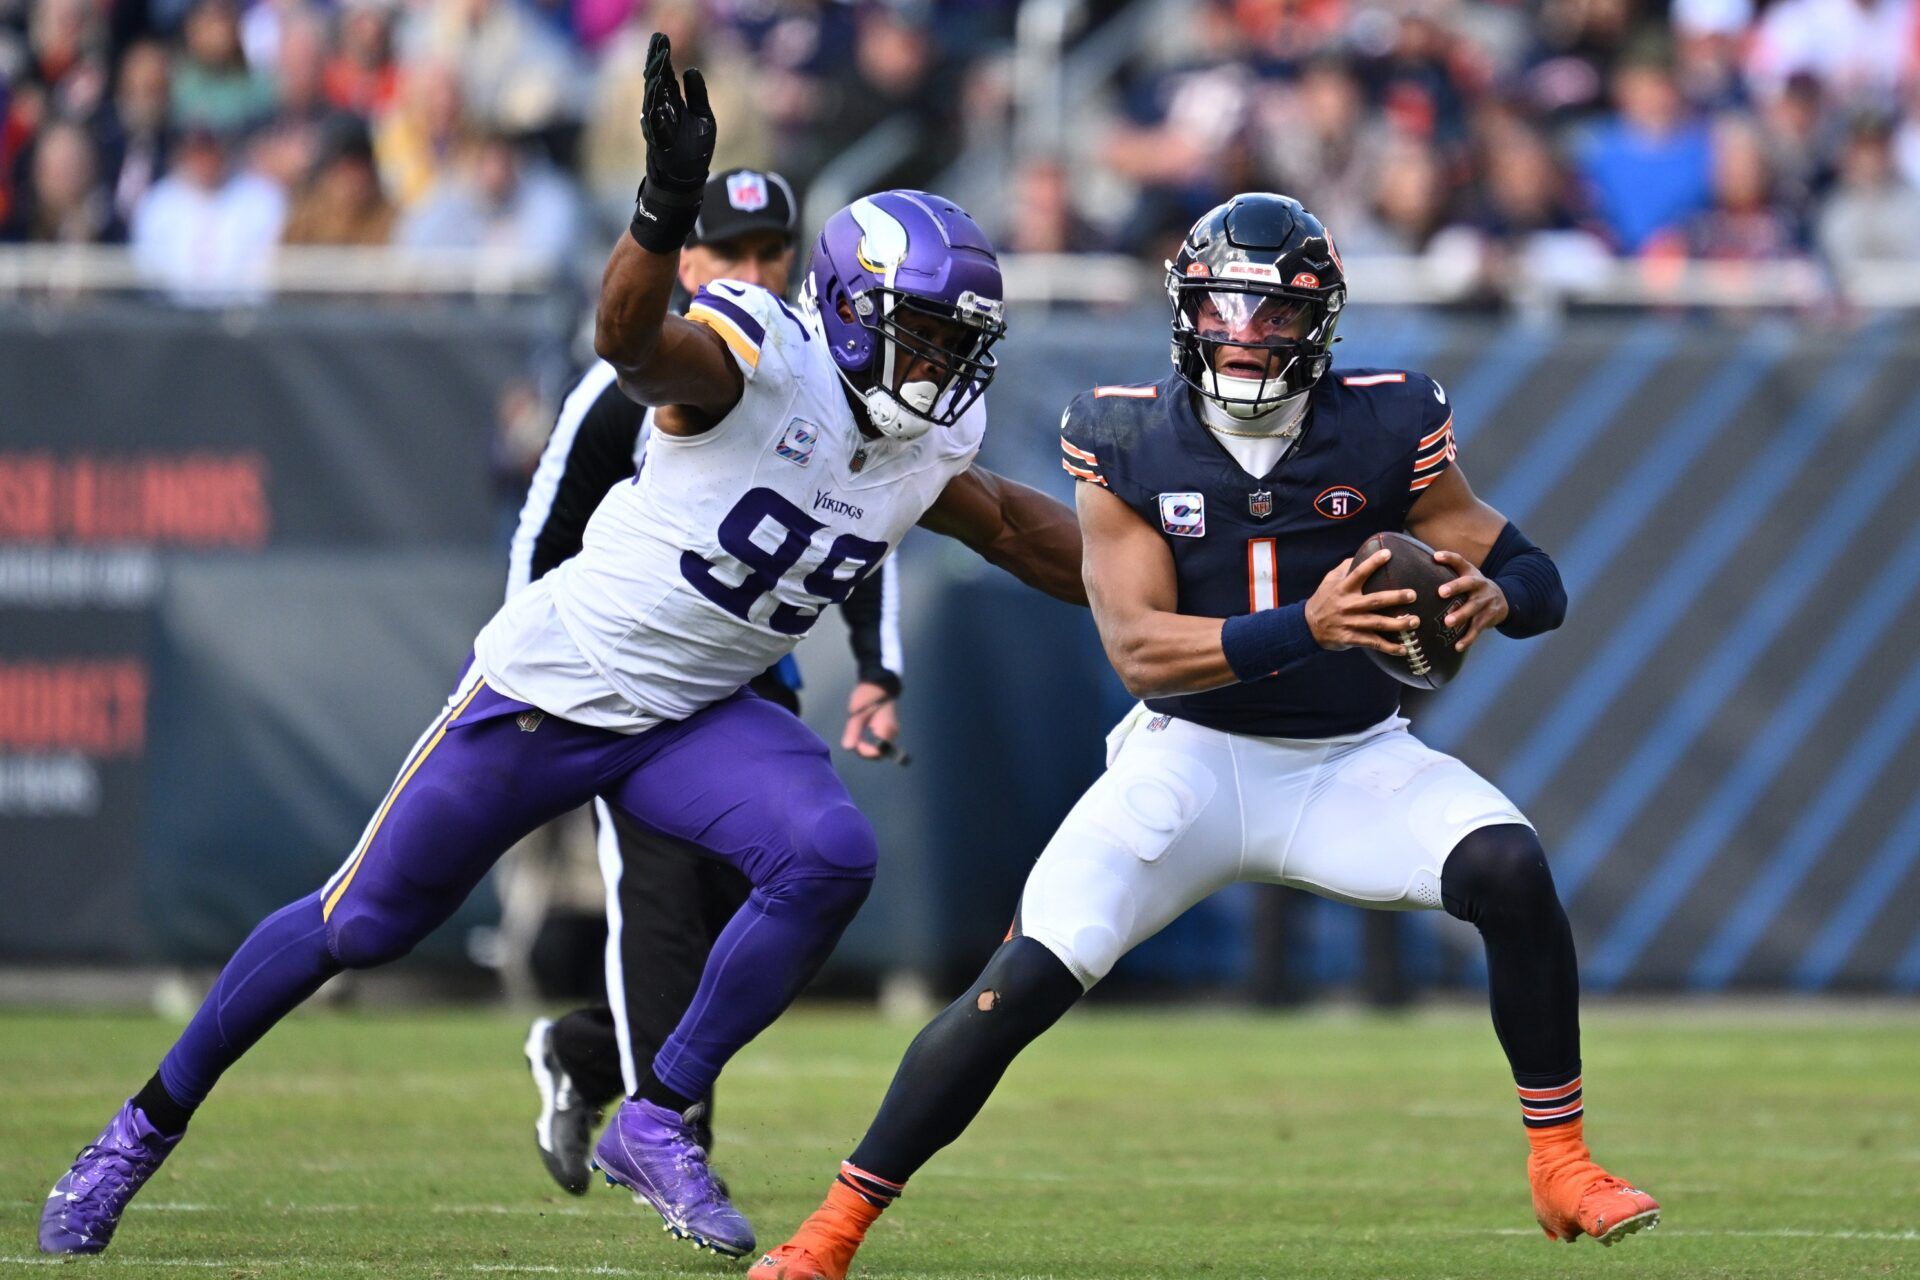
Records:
x=1431, y=660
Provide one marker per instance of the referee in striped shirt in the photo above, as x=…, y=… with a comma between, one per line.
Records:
x=667, y=901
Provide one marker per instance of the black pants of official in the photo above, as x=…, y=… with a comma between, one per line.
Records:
x=674, y=900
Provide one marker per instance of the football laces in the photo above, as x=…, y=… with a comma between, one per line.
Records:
x=1416, y=656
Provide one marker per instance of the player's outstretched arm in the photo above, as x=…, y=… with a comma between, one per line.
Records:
x=1160, y=652
x=1033, y=537
x=1500, y=578
x=662, y=359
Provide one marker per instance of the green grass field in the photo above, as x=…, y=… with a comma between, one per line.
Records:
x=1782, y=1143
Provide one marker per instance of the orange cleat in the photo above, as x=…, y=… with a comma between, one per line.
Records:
x=1573, y=1196
x=795, y=1261
x=823, y=1247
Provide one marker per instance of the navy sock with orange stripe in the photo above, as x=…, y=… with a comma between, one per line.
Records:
x=878, y=1193
x=1547, y=1102
x=854, y=1203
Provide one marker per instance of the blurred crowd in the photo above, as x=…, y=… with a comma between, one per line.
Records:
x=204, y=133
x=1564, y=133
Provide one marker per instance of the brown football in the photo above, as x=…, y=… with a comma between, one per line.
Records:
x=1431, y=659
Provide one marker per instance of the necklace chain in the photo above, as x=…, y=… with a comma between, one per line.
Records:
x=1256, y=435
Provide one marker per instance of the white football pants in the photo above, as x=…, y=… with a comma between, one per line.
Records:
x=1182, y=811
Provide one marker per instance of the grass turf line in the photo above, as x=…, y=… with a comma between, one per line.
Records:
x=1123, y=1144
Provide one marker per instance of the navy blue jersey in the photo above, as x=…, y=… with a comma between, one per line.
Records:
x=1371, y=440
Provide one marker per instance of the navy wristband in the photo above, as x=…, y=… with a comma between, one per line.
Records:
x=1259, y=644
x=1527, y=576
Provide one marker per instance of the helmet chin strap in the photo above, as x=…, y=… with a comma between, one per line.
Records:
x=889, y=416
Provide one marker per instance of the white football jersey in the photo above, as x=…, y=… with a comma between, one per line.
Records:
x=709, y=566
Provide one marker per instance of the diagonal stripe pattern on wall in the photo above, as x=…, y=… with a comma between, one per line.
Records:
x=1717, y=745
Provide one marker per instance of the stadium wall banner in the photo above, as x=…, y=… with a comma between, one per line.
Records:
x=240, y=562
x=142, y=446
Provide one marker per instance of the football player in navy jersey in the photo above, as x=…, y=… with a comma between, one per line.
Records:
x=1220, y=509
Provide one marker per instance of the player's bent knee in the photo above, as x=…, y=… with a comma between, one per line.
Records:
x=1026, y=983
x=828, y=869
x=837, y=842
x=825, y=898
x=366, y=934
x=362, y=943
x=1498, y=872
x=1088, y=952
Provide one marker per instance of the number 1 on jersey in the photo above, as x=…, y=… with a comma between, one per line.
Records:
x=1263, y=574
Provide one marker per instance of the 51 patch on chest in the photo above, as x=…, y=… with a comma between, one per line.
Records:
x=1340, y=502
x=1184, y=515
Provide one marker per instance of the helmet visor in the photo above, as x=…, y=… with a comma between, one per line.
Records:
x=1237, y=317
x=1248, y=346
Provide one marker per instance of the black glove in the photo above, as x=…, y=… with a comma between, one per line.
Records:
x=680, y=133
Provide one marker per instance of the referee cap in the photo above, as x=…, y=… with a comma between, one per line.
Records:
x=741, y=201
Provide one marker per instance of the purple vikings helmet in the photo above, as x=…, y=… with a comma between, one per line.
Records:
x=913, y=257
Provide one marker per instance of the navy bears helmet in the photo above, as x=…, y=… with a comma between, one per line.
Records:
x=1265, y=254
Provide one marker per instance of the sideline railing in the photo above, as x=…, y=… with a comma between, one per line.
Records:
x=1795, y=285
x=77, y=270
x=58, y=272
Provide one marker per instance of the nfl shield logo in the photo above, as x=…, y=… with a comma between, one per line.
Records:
x=747, y=192
x=1260, y=503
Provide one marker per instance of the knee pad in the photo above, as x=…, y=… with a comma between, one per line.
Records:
x=365, y=932
x=835, y=841
x=828, y=868
x=1496, y=873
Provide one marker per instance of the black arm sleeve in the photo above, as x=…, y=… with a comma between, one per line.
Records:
x=865, y=611
x=1536, y=598
x=585, y=458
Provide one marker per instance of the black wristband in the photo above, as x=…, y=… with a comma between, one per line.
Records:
x=881, y=676
x=664, y=218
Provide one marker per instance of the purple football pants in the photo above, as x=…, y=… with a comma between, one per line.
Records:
x=743, y=779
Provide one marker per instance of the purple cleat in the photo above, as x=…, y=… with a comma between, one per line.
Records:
x=85, y=1206
x=652, y=1152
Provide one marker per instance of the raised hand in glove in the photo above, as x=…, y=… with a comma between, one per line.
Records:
x=679, y=132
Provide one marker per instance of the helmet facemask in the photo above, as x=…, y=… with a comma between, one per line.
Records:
x=1247, y=346
x=947, y=346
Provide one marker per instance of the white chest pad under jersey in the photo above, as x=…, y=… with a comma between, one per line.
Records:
x=1257, y=444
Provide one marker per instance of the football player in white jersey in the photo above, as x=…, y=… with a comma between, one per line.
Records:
x=790, y=454
x=666, y=901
